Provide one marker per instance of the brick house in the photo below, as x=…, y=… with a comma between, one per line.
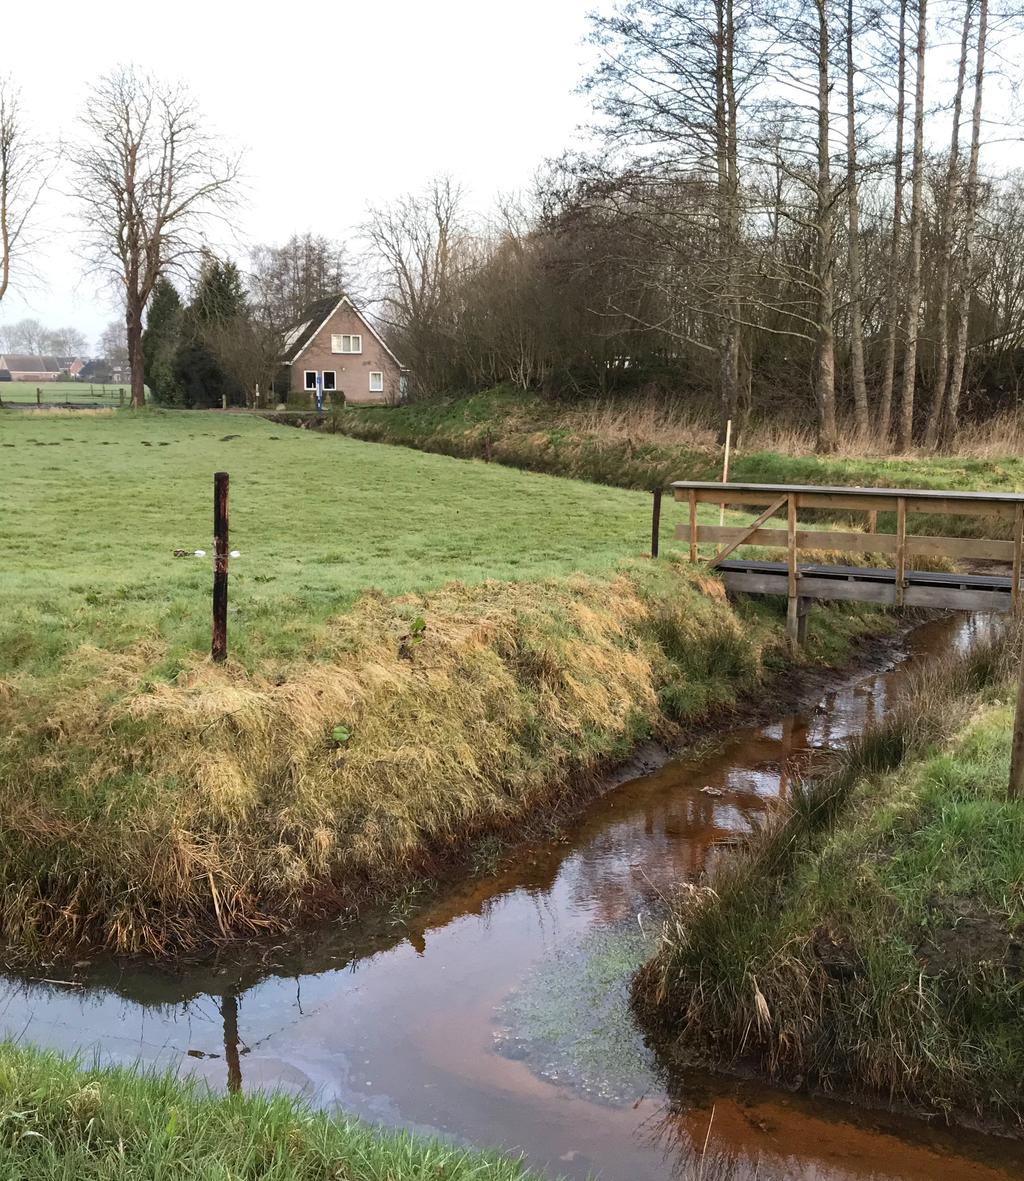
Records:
x=333, y=341
x=23, y=368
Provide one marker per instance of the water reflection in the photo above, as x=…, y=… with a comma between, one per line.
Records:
x=398, y=1022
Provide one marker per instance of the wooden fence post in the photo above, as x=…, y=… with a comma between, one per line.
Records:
x=219, y=650
x=901, y=549
x=39, y=396
x=693, y=525
x=656, y=523
x=1017, y=749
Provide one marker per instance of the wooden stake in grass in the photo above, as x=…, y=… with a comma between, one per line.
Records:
x=725, y=469
x=219, y=650
x=1017, y=749
x=656, y=523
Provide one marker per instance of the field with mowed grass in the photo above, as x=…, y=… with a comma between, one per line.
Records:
x=423, y=651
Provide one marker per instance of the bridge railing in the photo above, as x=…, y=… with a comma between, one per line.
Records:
x=788, y=499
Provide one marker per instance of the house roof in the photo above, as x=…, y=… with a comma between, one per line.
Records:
x=26, y=364
x=312, y=321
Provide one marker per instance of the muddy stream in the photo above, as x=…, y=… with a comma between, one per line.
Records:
x=498, y=1015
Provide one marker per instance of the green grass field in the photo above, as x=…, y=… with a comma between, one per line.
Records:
x=64, y=393
x=93, y=508
x=483, y=640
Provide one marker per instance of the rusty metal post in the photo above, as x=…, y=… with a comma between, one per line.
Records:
x=656, y=523
x=219, y=650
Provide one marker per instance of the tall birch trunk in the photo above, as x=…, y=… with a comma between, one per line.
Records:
x=860, y=389
x=946, y=235
x=728, y=212
x=963, y=305
x=825, y=376
x=896, y=239
x=905, y=426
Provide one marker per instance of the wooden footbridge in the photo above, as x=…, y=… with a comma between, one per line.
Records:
x=898, y=585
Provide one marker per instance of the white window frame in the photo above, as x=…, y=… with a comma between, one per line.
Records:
x=306, y=375
x=329, y=389
x=379, y=388
x=355, y=340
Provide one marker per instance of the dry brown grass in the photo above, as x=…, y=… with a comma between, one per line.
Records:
x=151, y=817
x=659, y=422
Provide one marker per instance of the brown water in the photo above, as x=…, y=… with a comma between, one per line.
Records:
x=498, y=1015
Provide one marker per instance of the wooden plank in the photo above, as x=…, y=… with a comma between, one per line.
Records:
x=754, y=525
x=1011, y=498
x=864, y=543
x=758, y=583
x=858, y=502
x=951, y=598
x=959, y=547
x=693, y=526
x=901, y=549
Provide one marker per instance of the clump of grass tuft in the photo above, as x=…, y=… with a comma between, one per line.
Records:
x=62, y=1121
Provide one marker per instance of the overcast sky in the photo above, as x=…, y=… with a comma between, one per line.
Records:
x=337, y=106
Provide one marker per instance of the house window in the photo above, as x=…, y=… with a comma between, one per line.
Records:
x=329, y=383
x=346, y=344
x=376, y=383
x=310, y=379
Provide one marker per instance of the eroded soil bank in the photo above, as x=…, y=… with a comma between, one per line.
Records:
x=499, y=1014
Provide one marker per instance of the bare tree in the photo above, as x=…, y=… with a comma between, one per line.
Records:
x=113, y=345
x=64, y=342
x=825, y=378
x=25, y=336
x=905, y=424
x=949, y=202
x=422, y=249
x=895, y=275
x=21, y=182
x=149, y=177
x=966, y=287
x=284, y=280
x=857, y=378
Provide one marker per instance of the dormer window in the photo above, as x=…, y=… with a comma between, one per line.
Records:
x=343, y=343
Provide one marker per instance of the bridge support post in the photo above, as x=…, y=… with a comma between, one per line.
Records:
x=792, y=600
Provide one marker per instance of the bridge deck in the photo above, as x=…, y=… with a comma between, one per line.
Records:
x=923, y=588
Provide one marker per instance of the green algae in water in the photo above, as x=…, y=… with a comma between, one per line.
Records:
x=571, y=1022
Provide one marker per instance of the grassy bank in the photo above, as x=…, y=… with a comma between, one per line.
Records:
x=423, y=652
x=638, y=444
x=58, y=1121
x=872, y=941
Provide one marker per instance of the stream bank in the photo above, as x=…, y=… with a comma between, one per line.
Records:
x=870, y=942
x=499, y=1013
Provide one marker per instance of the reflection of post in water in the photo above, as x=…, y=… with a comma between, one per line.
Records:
x=786, y=758
x=229, y=1014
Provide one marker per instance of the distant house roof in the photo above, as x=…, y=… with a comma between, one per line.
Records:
x=21, y=363
x=312, y=321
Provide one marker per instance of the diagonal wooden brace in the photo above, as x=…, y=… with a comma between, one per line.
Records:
x=770, y=511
